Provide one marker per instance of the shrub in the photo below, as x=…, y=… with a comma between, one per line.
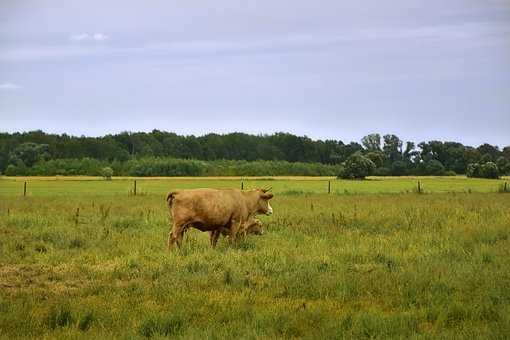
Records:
x=11, y=170
x=382, y=171
x=357, y=166
x=487, y=170
x=107, y=173
x=450, y=173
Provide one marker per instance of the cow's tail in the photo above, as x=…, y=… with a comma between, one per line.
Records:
x=170, y=197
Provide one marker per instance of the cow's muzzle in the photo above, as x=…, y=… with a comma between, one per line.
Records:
x=269, y=210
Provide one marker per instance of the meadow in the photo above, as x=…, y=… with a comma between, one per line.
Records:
x=85, y=258
x=90, y=185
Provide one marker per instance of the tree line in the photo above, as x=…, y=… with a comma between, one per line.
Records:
x=160, y=153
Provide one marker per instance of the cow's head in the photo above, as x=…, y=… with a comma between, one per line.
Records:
x=263, y=206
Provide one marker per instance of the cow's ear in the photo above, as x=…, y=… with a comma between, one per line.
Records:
x=267, y=196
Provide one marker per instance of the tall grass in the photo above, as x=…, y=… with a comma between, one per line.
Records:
x=330, y=266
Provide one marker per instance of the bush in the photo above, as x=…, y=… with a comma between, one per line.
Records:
x=153, y=166
x=357, y=166
x=450, y=173
x=382, y=171
x=11, y=170
x=107, y=173
x=487, y=170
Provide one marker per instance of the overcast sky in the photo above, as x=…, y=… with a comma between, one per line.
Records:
x=326, y=69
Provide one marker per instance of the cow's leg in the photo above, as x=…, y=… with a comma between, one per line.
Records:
x=169, y=242
x=234, y=227
x=180, y=235
x=213, y=237
x=176, y=235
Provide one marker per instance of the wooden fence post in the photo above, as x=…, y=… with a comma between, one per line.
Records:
x=419, y=187
x=25, y=189
x=329, y=187
x=134, y=189
x=242, y=185
x=77, y=216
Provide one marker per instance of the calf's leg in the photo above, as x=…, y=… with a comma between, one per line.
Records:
x=213, y=237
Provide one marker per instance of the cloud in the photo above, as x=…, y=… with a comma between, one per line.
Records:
x=79, y=37
x=99, y=36
x=9, y=87
x=89, y=37
x=475, y=34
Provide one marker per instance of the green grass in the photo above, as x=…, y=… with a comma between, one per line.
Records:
x=329, y=266
x=50, y=186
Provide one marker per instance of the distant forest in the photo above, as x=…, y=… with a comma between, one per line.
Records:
x=160, y=153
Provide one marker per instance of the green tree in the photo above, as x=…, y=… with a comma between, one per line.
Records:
x=36, y=147
x=486, y=158
x=434, y=168
x=382, y=171
x=502, y=164
x=473, y=170
x=410, y=153
x=489, y=170
x=487, y=149
x=377, y=157
x=506, y=152
x=399, y=168
x=372, y=142
x=29, y=153
x=392, y=148
x=357, y=166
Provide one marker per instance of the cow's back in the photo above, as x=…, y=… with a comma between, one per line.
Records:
x=210, y=207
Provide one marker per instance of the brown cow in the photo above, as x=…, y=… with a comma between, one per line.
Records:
x=215, y=210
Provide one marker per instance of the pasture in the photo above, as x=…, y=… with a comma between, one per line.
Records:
x=89, y=185
x=84, y=258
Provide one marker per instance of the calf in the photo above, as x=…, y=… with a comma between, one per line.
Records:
x=252, y=226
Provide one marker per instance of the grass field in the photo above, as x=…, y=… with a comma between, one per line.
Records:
x=82, y=259
x=50, y=186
